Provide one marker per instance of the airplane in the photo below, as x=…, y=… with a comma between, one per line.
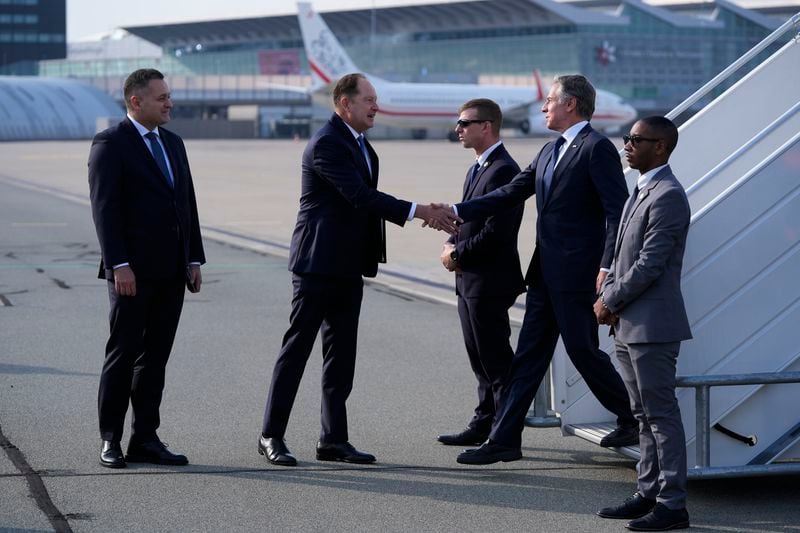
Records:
x=435, y=105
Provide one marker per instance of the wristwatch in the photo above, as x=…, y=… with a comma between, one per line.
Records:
x=454, y=255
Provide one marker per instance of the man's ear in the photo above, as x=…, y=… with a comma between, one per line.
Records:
x=661, y=147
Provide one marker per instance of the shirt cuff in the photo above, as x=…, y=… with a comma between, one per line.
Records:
x=606, y=270
x=120, y=266
x=455, y=209
x=411, y=212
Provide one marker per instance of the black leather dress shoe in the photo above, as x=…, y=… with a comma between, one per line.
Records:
x=489, y=453
x=661, y=518
x=155, y=452
x=111, y=455
x=466, y=438
x=276, y=452
x=622, y=436
x=634, y=507
x=342, y=452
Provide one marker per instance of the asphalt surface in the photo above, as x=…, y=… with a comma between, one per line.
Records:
x=412, y=382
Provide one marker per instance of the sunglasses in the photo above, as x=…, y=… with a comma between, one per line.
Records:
x=636, y=139
x=461, y=123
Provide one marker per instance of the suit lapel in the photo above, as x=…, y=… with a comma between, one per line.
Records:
x=541, y=166
x=471, y=185
x=351, y=141
x=172, y=151
x=571, y=150
x=373, y=160
x=145, y=155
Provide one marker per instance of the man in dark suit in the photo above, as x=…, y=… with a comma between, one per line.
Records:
x=485, y=260
x=339, y=237
x=145, y=214
x=580, y=191
x=641, y=299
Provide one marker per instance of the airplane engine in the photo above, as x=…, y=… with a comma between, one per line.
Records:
x=534, y=124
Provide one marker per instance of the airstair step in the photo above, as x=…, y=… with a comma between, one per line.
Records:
x=596, y=431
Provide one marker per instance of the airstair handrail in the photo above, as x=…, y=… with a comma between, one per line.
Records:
x=702, y=385
x=744, y=179
x=745, y=147
x=733, y=67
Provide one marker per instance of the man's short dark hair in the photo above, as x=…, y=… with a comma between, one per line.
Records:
x=662, y=128
x=577, y=87
x=347, y=86
x=138, y=81
x=487, y=110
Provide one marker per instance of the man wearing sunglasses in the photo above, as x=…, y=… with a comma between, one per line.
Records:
x=580, y=191
x=641, y=299
x=484, y=257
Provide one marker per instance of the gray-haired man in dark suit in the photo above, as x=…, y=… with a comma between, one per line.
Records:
x=641, y=299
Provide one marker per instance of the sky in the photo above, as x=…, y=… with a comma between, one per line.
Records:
x=89, y=17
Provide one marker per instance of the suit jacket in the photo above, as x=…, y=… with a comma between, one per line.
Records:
x=139, y=217
x=575, y=227
x=487, y=247
x=644, y=286
x=340, y=229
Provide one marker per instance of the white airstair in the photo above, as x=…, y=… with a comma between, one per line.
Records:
x=739, y=160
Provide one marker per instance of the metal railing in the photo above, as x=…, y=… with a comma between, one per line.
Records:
x=702, y=386
x=733, y=67
x=744, y=148
x=792, y=24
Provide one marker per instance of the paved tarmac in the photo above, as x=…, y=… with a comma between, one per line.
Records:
x=412, y=383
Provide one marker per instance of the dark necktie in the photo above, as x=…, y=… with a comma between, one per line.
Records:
x=629, y=207
x=547, y=179
x=158, y=155
x=364, y=151
x=475, y=168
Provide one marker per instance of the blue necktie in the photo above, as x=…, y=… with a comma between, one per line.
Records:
x=158, y=155
x=547, y=179
x=364, y=151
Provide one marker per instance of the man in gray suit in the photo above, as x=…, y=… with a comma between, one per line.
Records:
x=641, y=299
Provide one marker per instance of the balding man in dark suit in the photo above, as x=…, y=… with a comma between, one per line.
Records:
x=339, y=238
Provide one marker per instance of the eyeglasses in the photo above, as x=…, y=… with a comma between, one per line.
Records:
x=461, y=123
x=636, y=139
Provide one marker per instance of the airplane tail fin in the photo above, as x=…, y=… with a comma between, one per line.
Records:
x=327, y=59
x=537, y=76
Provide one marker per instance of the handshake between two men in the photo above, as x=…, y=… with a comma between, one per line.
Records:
x=440, y=217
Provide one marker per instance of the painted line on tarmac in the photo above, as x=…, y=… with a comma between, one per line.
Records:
x=388, y=272
x=36, y=486
x=82, y=199
x=274, y=248
x=38, y=224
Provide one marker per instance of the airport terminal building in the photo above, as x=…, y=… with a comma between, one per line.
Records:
x=653, y=56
